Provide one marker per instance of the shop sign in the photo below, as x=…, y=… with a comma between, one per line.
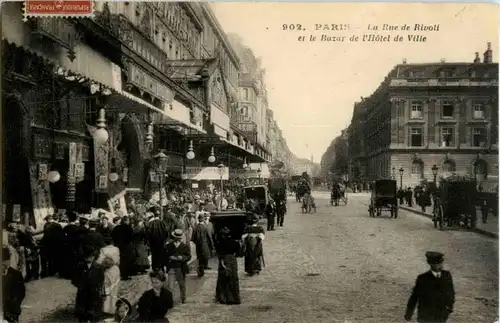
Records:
x=103, y=182
x=79, y=171
x=207, y=173
x=42, y=172
x=125, y=175
x=147, y=83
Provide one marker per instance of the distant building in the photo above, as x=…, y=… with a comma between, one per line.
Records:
x=443, y=114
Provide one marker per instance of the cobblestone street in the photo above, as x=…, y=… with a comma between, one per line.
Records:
x=52, y=299
x=340, y=265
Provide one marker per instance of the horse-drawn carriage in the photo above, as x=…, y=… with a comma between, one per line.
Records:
x=454, y=203
x=257, y=197
x=338, y=194
x=383, y=198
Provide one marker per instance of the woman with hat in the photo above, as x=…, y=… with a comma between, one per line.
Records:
x=228, y=284
x=253, y=237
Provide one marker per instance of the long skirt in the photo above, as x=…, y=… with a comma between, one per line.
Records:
x=141, y=261
x=253, y=261
x=111, y=287
x=228, y=284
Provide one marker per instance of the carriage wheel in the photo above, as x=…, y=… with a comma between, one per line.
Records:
x=440, y=217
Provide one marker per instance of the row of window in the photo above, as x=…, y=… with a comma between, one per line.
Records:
x=447, y=74
x=447, y=109
x=447, y=137
x=479, y=168
x=175, y=48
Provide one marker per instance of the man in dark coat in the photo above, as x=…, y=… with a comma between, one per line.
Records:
x=105, y=228
x=204, y=244
x=123, y=238
x=433, y=291
x=270, y=215
x=13, y=289
x=177, y=254
x=281, y=211
x=156, y=234
x=50, y=243
x=94, y=237
x=409, y=197
x=89, y=280
x=70, y=247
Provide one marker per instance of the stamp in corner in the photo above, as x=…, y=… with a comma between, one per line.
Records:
x=60, y=8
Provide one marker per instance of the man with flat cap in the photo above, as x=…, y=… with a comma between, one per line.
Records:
x=433, y=291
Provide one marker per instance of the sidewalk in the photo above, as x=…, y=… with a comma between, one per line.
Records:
x=52, y=299
x=489, y=229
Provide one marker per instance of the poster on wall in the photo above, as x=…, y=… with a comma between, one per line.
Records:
x=16, y=213
x=118, y=203
x=42, y=200
x=101, y=165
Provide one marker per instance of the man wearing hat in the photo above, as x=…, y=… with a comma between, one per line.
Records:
x=204, y=244
x=53, y=237
x=177, y=254
x=433, y=291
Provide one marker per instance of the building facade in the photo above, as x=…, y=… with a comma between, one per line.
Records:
x=252, y=102
x=89, y=102
x=443, y=114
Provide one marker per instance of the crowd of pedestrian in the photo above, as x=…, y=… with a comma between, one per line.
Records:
x=98, y=251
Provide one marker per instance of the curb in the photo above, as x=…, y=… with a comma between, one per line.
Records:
x=477, y=230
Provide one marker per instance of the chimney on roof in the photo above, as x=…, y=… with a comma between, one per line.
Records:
x=477, y=60
x=404, y=60
x=488, y=55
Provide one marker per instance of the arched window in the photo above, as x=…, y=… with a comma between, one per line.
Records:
x=448, y=166
x=417, y=169
x=480, y=169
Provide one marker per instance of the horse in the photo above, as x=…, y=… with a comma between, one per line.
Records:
x=308, y=203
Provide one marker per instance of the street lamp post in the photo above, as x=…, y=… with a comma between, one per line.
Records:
x=221, y=173
x=161, y=163
x=434, y=173
x=401, y=171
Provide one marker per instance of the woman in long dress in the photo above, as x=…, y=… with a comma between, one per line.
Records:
x=228, y=284
x=253, y=237
x=109, y=258
x=141, y=263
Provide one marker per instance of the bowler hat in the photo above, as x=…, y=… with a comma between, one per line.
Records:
x=434, y=257
x=177, y=233
x=255, y=218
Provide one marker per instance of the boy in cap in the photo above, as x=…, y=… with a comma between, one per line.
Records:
x=433, y=291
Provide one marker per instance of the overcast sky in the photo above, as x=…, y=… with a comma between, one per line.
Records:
x=312, y=86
